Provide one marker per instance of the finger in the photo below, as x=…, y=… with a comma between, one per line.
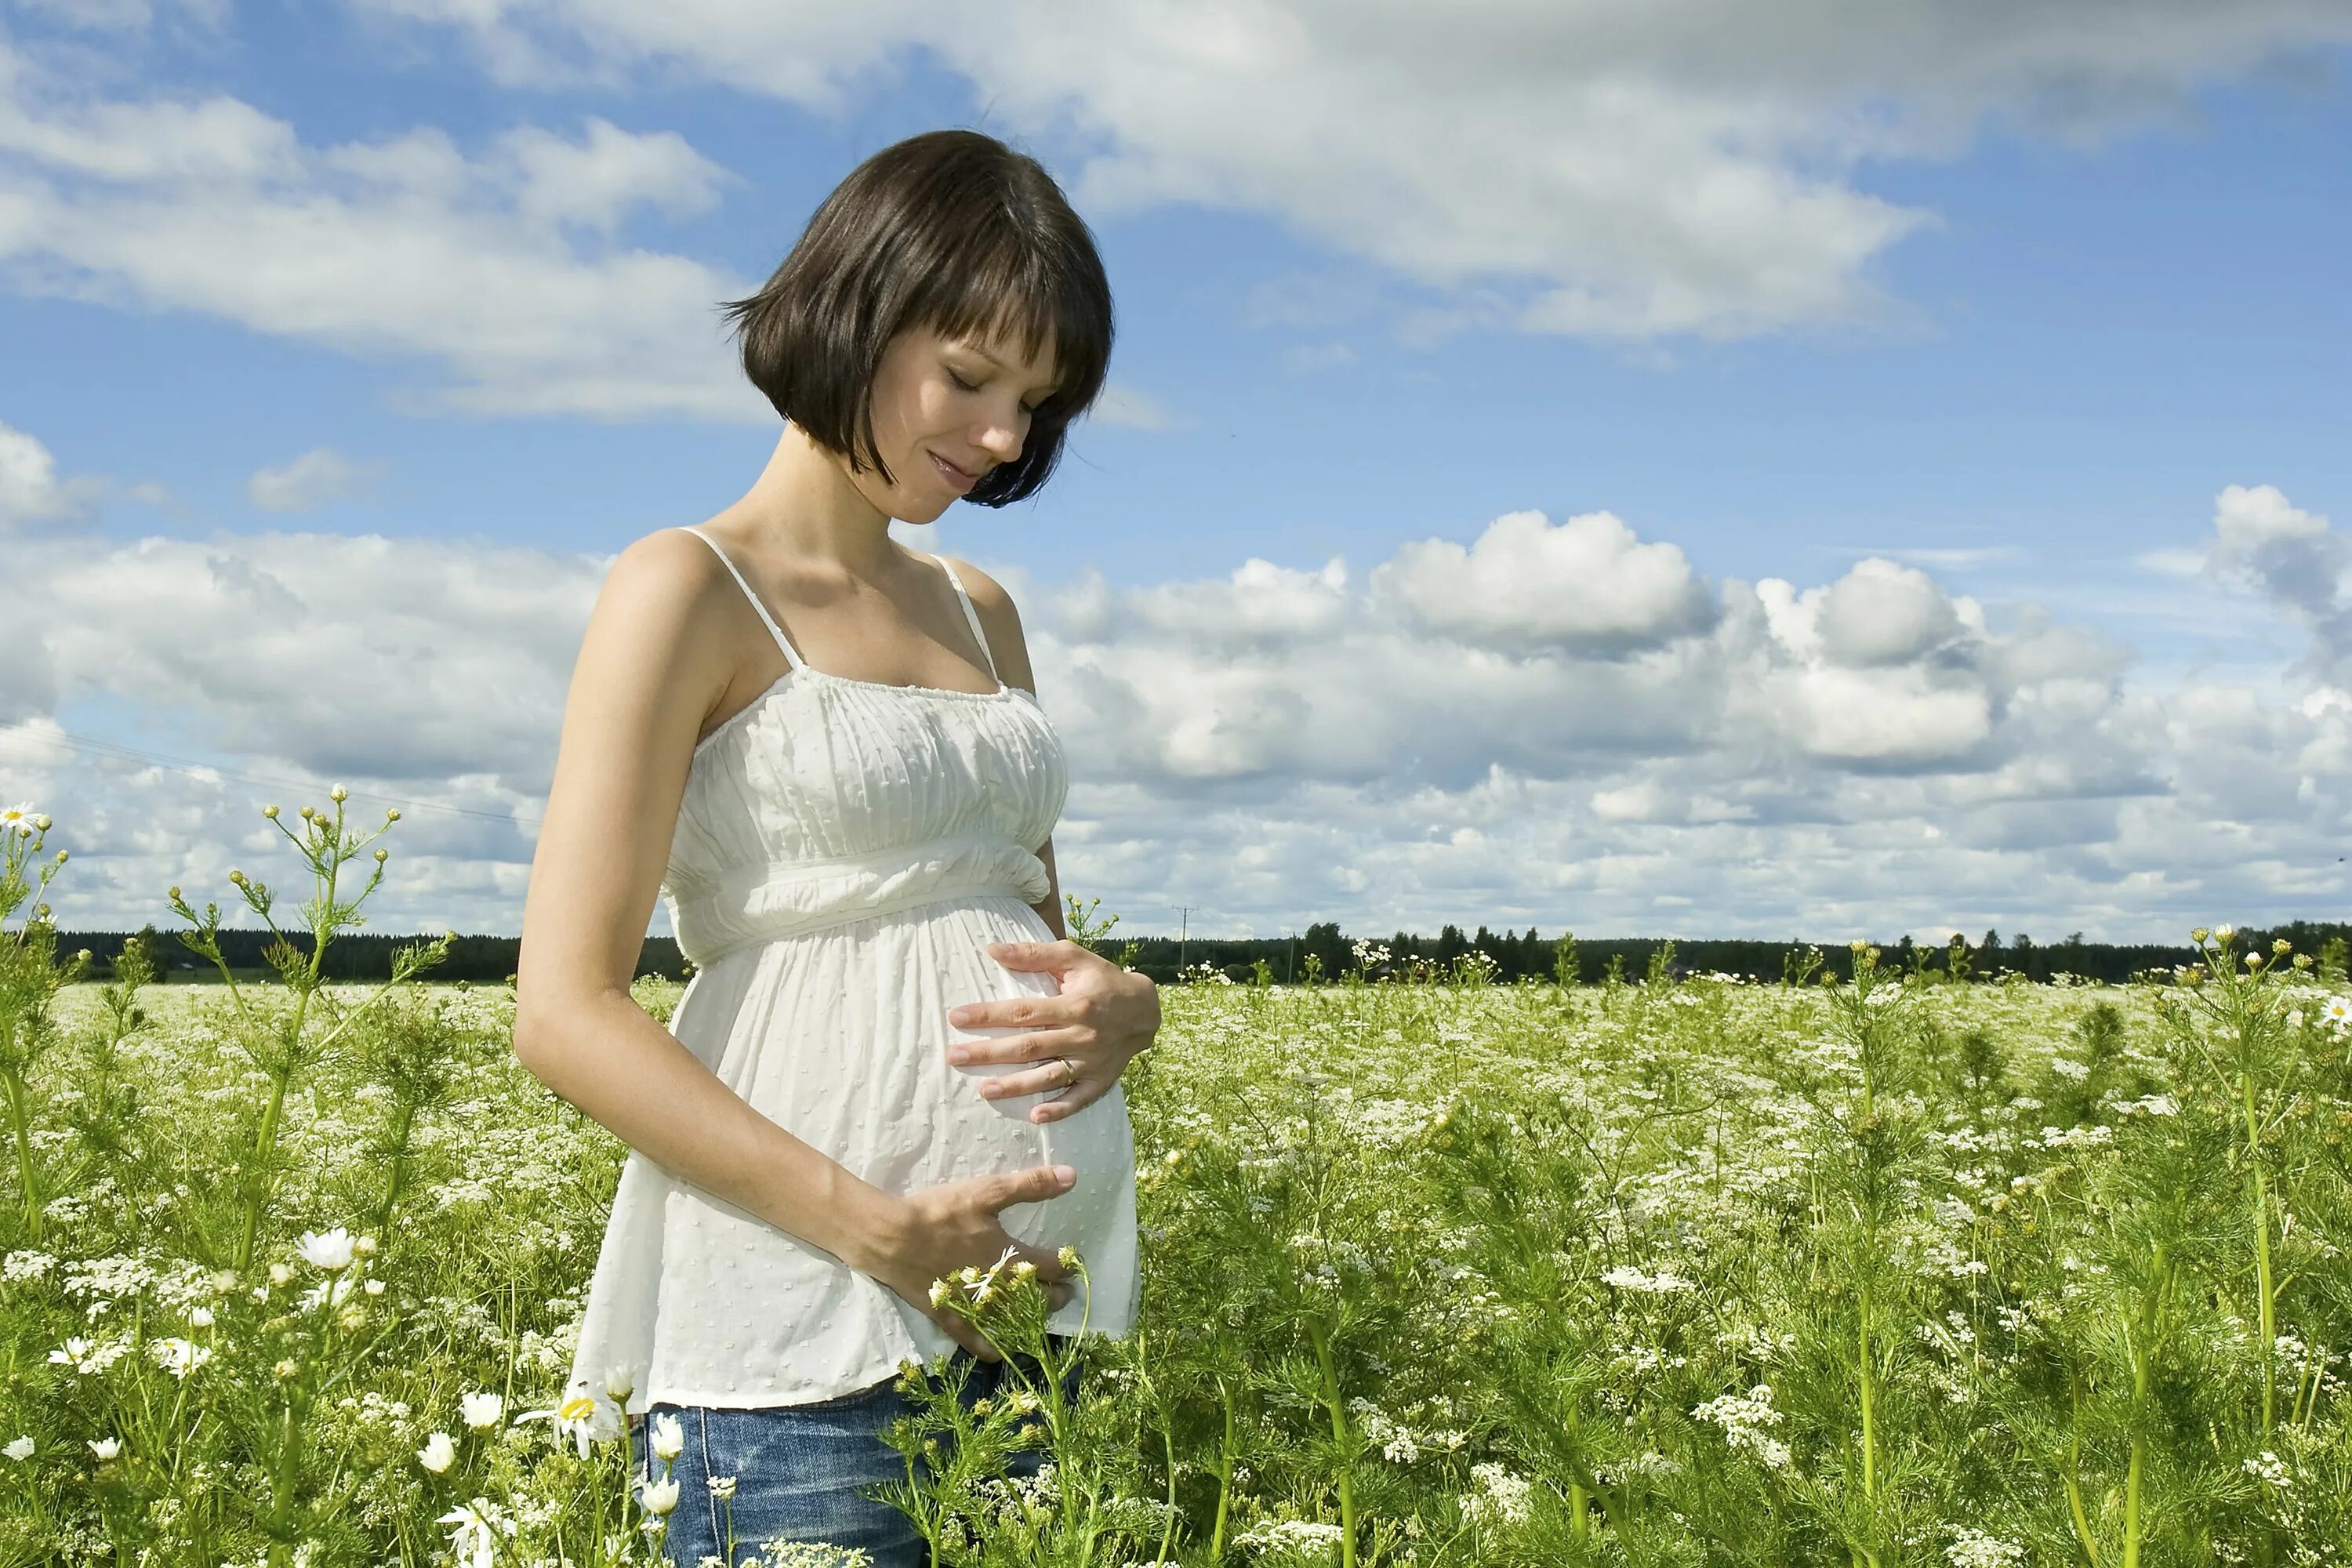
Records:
x=1042, y=1079
x=1085, y=1093
x=1050, y=1272
x=1016, y=1011
x=964, y=1334
x=1036, y=1046
x=1034, y=1184
x=1050, y=956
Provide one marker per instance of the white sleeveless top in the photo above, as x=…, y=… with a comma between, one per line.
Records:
x=844, y=852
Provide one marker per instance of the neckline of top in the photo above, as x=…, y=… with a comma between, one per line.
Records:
x=773, y=687
x=793, y=661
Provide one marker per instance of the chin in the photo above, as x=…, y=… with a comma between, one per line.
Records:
x=917, y=512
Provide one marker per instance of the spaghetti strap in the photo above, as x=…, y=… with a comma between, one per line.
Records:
x=792, y=659
x=973, y=617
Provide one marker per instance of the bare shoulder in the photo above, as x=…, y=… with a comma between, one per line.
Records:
x=666, y=583
x=659, y=611
x=1000, y=620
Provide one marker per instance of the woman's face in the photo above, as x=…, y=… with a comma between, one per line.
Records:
x=945, y=412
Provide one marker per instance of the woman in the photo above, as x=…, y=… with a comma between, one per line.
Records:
x=844, y=733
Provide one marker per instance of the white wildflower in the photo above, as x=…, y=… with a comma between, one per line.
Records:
x=1743, y=1418
x=2270, y=1469
x=330, y=1251
x=178, y=1356
x=479, y=1525
x=1503, y=1496
x=1975, y=1549
x=438, y=1454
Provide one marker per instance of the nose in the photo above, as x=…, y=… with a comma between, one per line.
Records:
x=1000, y=441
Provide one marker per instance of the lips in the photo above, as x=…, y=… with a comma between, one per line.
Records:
x=957, y=479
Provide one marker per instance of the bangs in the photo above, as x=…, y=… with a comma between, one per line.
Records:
x=1005, y=288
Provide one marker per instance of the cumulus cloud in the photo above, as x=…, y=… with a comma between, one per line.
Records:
x=499, y=266
x=32, y=491
x=316, y=477
x=1868, y=754
x=1587, y=584
x=1578, y=167
x=2295, y=559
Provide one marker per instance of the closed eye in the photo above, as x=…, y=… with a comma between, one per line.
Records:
x=963, y=385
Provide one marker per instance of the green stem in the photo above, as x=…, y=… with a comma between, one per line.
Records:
x=2261, y=1257
x=1225, y=1475
x=1869, y=1425
x=1338, y=1436
x=20, y=1117
x=264, y=1144
x=403, y=1119
x=2074, y=1486
x=2142, y=1350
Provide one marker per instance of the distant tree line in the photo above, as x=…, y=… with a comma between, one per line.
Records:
x=1322, y=953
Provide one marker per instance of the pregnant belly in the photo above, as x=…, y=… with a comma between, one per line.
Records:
x=1096, y=1141
x=840, y=1037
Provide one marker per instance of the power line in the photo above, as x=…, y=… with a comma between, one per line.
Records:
x=194, y=768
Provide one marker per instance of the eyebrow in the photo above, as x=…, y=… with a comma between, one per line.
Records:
x=1050, y=387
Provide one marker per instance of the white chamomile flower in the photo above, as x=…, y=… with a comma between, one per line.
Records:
x=330, y=1251
x=438, y=1454
x=20, y=1450
x=668, y=1437
x=481, y=1410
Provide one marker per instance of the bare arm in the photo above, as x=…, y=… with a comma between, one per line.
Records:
x=654, y=664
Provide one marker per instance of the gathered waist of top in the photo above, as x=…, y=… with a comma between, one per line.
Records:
x=715, y=916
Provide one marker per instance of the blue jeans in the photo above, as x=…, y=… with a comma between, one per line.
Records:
x=801, y=1471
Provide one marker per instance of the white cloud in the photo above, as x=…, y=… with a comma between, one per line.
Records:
x=30, y=490
x=318, y=476
x=1576, y=167
x=500, y=267
x=2296, y=560
x=1587, y=584
x=1276, y=745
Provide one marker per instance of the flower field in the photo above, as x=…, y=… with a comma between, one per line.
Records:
x=1900, y=1270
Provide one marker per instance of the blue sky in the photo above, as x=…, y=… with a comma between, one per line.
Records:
x=2015, y=319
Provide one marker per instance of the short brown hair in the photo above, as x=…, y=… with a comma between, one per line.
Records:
x=950, y=230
